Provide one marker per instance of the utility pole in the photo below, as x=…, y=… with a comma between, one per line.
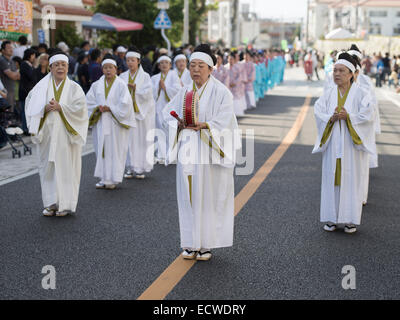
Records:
x=185, y=22
x=307, y=21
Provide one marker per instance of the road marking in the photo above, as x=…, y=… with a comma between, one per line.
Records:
x=171, y=276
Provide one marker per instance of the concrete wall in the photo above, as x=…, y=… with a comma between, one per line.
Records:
x=373, y=44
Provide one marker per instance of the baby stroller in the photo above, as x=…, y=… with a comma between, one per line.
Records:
x=10, y=132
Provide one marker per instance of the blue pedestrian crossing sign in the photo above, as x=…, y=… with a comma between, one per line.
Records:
x=162, y=21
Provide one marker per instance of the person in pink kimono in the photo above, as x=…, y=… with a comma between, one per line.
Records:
x=237, y=85
x=220, y=72
x=251, y=76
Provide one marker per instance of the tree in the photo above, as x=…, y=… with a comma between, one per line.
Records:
x=145, y=12
x=69, y=35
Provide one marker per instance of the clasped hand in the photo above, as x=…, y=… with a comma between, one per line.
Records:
x=53, y=105
x=197, y=127
x=342, y=115
x=104, y=109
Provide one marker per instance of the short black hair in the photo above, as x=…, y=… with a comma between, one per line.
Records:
x=17, y=59
x=43, y=45
x=108, y=56
x=81, y=57
x=133, y=48
x=95, y=54
x=115, y=47
x=28, y=53
x=4, y=44
x=23, y=40
x=205, y=48
x=84, y=43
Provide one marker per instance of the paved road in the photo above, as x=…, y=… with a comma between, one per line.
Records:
x=120, y=241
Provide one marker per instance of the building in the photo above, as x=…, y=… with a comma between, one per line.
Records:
x=360, y=17
x=249, y=26
x=219, y=24
x=72, y=12
x=278, y=31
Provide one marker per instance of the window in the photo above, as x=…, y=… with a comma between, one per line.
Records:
x=396, y=30
x=375, y=28
x=398, y=14
x=378, y=14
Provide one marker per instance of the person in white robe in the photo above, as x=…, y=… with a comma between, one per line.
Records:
x=166, y=85
x=56, y=115
x=366, y=83
x=205, y=162
x=180, y=62
x=140, y=158
x=344, y=116
x=111, y=116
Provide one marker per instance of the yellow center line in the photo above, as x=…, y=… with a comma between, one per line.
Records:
x=171, y=276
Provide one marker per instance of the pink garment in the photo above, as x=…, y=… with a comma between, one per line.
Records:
x=222, y=74
x=236, y=80
x=251, y=75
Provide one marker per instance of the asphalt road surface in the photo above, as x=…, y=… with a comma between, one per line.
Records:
x=119, y=242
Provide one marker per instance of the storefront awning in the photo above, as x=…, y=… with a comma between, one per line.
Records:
x=105, y=22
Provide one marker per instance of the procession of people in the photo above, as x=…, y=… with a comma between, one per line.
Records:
x=184, y=112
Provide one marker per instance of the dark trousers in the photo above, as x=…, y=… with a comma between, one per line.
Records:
x=23, y=118
x=378, y=78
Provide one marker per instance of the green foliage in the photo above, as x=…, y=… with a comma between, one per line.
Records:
x=145, y=12
x=69, y=35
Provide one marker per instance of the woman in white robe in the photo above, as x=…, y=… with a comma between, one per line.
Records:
x=56, y=115
x=365, y=82
x=344, y=117
x=140, y=158
x=166, y=85
x=181, y=70
x=111, y=116
x=205, y=186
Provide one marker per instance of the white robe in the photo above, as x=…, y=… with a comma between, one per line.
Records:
x=343, y=204
x=173, y=85
x=59, y=150
x=141, y=141
x=205, y=188
x=185, y=78
x=372, y=159
x=110, y=138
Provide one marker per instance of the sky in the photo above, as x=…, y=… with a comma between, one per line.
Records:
x=288, y=10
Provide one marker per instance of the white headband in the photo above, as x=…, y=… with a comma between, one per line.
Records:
x=355, y=53
x=347, y=64
x=132, y=54
x=109, y=61
x=164, y=58
x=58, y=57
x=179, y=57
x=203, y=57
x=358, y=67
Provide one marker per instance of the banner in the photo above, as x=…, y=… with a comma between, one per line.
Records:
x=15, y=19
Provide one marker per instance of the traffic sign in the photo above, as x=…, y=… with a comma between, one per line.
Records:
x=162, y=21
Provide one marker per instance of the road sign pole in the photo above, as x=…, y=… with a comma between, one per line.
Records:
x=167, y=40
